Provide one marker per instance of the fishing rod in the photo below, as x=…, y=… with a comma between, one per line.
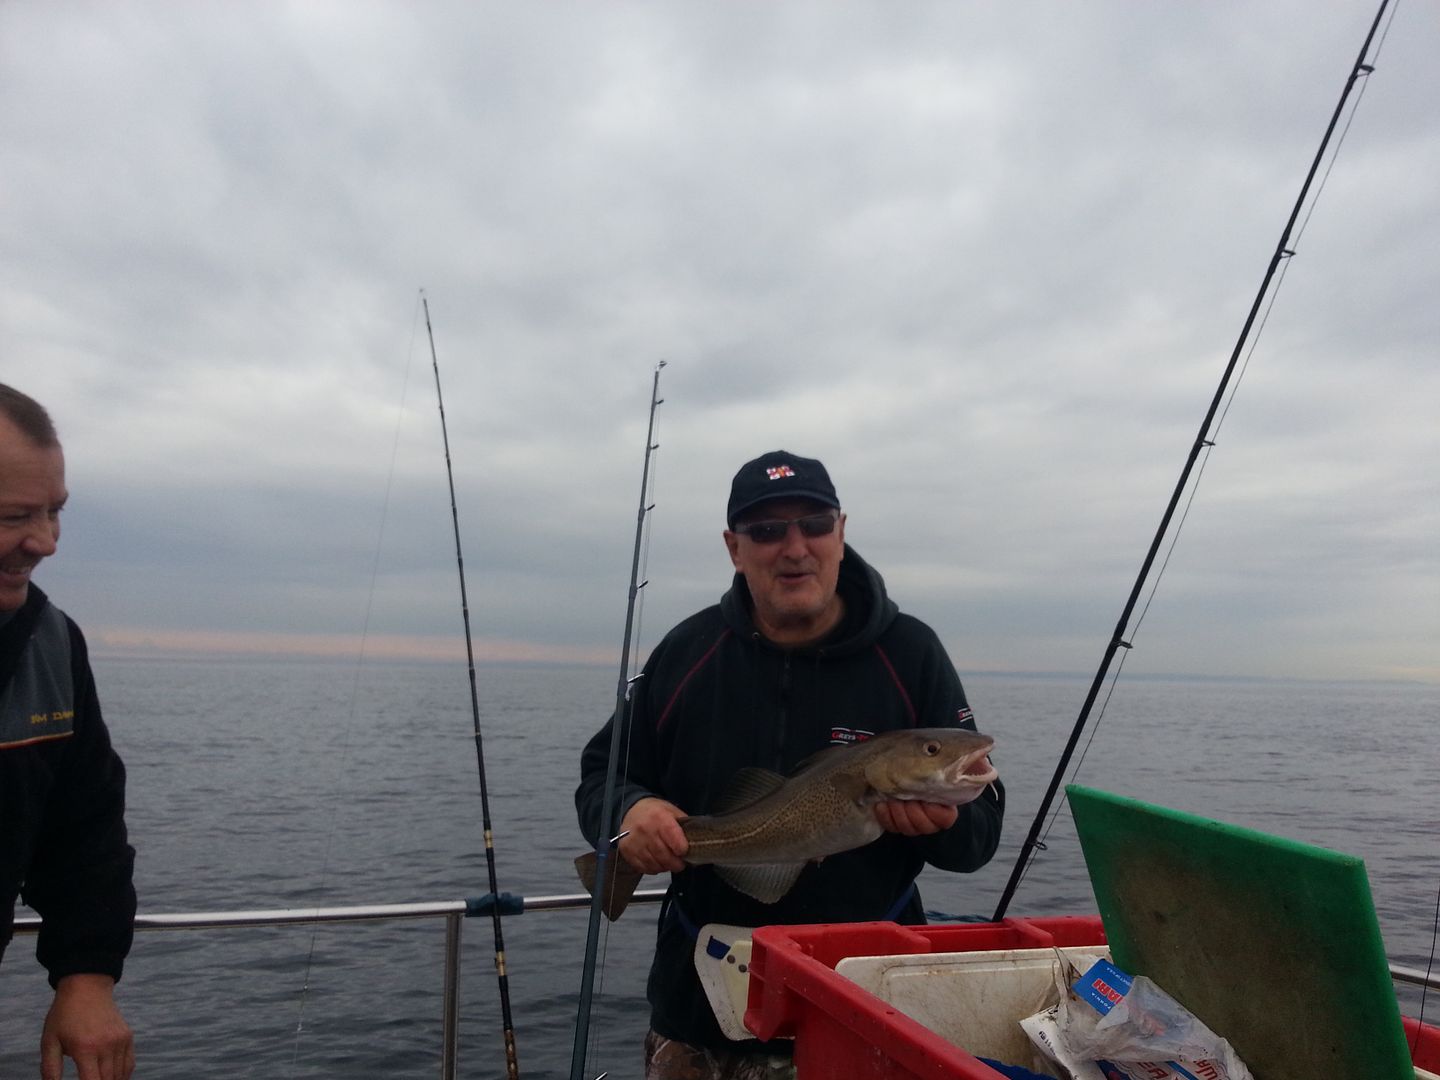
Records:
x=603, y=842
x=1283, y=251
x=512, y=1066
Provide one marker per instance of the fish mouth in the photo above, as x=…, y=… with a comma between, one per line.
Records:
x=973, y=769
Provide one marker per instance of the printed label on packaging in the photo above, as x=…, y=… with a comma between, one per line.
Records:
x=1103, y=986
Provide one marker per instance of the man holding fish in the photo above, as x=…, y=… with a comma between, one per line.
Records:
x=806, y=669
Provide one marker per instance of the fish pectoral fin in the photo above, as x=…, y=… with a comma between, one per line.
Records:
x=623, y=880
x=766, y=882
x=747, y=786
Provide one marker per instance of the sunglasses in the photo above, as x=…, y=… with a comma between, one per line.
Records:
x=772, y=532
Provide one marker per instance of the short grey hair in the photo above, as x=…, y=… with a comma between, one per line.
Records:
x=28, y=415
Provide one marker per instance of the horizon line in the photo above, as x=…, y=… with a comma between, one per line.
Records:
x=132, y=643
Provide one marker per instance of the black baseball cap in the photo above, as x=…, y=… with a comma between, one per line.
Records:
x=779, y=474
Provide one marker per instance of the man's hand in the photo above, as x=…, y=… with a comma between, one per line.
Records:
x=911, y=818
x=655, y=843
x=85, y=1025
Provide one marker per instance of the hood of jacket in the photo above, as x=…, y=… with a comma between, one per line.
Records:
x=869, y=611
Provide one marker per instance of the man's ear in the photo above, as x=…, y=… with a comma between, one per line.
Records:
x=732, y=545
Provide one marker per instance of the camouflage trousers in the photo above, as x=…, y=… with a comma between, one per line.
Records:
x=669, y=1059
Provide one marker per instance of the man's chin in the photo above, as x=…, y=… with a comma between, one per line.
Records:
x=798, y=609
x=797, y=615
x=12, y=598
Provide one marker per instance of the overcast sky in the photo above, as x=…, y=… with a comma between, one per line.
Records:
x=987, y=261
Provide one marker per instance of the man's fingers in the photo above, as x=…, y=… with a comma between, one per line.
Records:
x=913, y=818
x=113, y=1062
x=84, y=1025
x=655, y=842
x=676, y=843
x=654, y=851
x=50, y=1060
x=89, y=1065
x=119, y=1064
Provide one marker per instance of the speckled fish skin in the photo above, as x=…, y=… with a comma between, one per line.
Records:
x=826, y=807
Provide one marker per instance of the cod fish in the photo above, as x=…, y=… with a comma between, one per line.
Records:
x=767, y=827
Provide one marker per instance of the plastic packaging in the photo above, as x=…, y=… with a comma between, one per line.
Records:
x=1110, y=1026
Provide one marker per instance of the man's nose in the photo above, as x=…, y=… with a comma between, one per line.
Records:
x=42, y=537
x=794, y=544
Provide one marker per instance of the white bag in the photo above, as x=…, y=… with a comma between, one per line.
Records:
x=1108, y=1026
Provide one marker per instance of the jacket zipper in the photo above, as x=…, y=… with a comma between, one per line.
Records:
x=784, y=715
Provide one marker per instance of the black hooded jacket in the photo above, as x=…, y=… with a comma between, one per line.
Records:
x=62, y=798
x=716, y=697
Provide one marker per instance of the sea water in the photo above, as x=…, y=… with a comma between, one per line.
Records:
x=272, y=784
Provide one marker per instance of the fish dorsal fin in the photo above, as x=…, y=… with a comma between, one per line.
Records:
x=747, y=786
x=820, y=756
x=766, y=882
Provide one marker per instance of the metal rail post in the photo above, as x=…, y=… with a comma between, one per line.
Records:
x=452, y=995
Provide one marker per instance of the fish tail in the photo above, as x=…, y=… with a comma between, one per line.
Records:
x=623, y=880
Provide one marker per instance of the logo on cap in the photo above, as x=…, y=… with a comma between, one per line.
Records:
x=779, y=472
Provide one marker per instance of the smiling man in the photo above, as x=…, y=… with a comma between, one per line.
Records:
x=63, y=846
x=805, y=651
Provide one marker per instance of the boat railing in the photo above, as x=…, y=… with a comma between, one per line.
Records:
x=1415, y=975
x=453, y=912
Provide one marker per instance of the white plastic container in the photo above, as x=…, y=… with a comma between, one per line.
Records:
x=972, y=999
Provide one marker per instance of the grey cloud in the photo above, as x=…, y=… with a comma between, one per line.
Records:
x=988, y=263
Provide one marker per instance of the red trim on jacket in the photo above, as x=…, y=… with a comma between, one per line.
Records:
x=670, y=705
x=895, y=678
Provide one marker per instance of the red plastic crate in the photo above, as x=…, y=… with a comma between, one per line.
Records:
x=841, y=1030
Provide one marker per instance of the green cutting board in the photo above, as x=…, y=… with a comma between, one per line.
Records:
x=1272, y=943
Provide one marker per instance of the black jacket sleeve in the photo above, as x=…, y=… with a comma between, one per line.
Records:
x=81, y=879
x=590, y=795
x=940, y=702
x=638, y=776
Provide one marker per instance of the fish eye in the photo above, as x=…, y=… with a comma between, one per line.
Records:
x=931, y=748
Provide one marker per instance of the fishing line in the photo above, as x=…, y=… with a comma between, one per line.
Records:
x=1282, y=253
x=632, y=673
x=1429, y=970
x=645, y=567
x=630, y=655
x=1274, y=295
x=502, y=976
x=1365, y=85
x=632, y=685
x=348, y=730
x=620, y=722
x=1204, y=461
